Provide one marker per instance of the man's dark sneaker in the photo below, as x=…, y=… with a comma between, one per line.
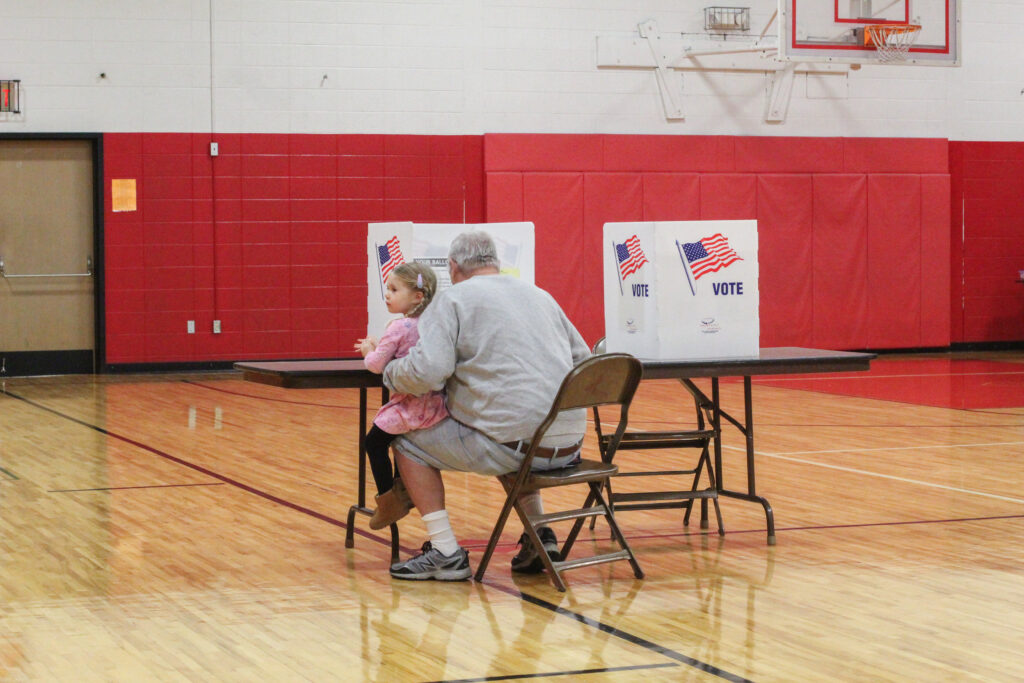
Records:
x=528, y=560
x=433, y=564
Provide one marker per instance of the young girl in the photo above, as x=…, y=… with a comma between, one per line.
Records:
x=410, y=287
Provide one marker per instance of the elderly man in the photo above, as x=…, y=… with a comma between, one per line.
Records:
x=500, y=347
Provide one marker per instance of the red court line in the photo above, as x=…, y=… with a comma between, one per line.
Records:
x=915, y=521
x=131, y=488
x=267, y=398
x=854, y=425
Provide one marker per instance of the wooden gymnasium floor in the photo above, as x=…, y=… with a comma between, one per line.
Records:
x=190, y=527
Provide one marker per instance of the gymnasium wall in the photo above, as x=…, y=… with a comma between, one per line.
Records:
x=987, y=302
x=853, y=233
x=269, y=237
x=300, y=93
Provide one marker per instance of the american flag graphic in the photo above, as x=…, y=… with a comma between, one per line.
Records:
x=709, y=255
x=630, y=256
x=389, y=255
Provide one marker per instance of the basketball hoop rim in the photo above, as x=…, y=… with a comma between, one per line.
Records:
x=884, y=30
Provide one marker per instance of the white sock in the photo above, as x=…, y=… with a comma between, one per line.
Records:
x=440, y=531
x=531, y=503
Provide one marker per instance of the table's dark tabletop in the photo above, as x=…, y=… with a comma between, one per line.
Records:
x=310, y=374
x=782, y=360
x=771, y=361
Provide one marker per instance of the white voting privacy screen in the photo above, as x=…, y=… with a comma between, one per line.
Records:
x=390, y=244
x=681, y=289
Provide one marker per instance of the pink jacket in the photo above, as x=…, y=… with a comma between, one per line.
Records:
x=404, y=412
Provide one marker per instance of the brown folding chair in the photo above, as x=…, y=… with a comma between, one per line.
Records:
x=699, y=438
x=599, y=380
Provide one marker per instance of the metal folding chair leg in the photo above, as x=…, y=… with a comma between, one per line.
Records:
x=499, y=526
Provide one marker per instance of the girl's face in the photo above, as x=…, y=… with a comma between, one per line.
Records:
x=400, y=297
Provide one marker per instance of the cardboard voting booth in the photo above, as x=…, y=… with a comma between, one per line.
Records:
x=681, y=289
x=391, y=244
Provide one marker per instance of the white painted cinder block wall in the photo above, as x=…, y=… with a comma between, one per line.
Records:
x=458, y=67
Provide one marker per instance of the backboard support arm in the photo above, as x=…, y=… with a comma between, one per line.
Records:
x=667, y=54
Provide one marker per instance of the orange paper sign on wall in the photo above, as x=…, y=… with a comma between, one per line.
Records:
x=122, y=192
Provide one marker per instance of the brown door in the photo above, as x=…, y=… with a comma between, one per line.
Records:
x=47, y=316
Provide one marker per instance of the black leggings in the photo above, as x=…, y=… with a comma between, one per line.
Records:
x=377, y=443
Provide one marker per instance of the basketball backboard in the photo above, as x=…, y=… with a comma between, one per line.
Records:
x=833, y=30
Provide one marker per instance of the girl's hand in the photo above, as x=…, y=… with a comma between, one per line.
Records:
x=365, y=346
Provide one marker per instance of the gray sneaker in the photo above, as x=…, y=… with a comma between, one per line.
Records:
x=528, y=561
x=433, y=564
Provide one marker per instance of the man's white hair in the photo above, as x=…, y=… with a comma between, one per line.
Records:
x=472, y=250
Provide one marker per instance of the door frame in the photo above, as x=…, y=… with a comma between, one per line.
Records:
x=99, y=346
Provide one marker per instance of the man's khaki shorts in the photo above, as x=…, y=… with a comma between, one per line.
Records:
x=450, y=445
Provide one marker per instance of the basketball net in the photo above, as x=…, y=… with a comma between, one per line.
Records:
x=892, y=41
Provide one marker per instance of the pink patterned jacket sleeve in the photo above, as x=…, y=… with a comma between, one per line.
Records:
x=388, y=346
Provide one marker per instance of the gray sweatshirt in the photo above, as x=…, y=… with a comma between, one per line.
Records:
x=500, y=347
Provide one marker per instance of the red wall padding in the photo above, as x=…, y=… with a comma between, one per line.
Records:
x=671, y=197
x=986, y=208
x=894, y=259
x=269, y=237
x=840, y=261
x=728, y=196
x=785, y=223
x=556, y=200
x=936, y=246
x=854, y=233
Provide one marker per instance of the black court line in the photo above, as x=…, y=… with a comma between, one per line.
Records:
x=713, y=532
x=210, y=473
x=611, y=630
x=576, y=672
x=477, y=544
x=8, y=473
x=636, y=640
x=128, y=488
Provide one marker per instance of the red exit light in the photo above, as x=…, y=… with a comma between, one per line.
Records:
x=10, y=92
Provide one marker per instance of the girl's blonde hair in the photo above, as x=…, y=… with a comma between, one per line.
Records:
x=420, y=278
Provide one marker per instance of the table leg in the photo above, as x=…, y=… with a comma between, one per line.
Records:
x=362, y=447
x=716, y=424
x=360, y=506
x=747, y=428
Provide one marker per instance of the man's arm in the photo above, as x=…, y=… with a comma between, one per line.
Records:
x=432, y=361
x=578, y=347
